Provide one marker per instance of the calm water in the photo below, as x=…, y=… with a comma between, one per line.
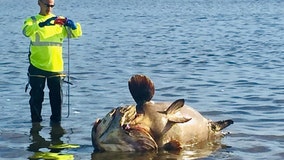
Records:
x=225, y=57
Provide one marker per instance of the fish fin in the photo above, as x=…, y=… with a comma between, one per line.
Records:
x=171, y=111
x=178, y=119
x=175, y=106
x=172, y=145
x=141, y=88
x=219, y=125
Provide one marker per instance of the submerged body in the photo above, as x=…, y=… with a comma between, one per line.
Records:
x=123, y=130
x=150, y=126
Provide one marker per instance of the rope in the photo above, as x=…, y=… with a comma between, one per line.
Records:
x=68, y=71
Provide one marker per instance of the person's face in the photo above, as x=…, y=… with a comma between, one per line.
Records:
x=46, y=6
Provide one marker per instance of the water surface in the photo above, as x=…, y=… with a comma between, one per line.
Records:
x=225, y=58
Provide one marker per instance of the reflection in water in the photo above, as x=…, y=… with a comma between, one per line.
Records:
x=55, y=145
x=197, y=151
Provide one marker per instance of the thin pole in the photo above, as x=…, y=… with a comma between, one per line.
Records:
x=68, y=72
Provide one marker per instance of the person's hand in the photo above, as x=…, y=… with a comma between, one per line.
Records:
x=70, y=23
x=47, y=22
x=60, y=20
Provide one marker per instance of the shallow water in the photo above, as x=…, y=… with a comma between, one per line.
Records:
x=225, y=58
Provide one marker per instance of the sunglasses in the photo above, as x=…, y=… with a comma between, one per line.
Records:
x=47, y=5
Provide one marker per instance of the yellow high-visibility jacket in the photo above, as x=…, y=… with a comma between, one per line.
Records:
x=46, y=42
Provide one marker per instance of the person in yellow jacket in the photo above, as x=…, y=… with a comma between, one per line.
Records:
x=47, y=32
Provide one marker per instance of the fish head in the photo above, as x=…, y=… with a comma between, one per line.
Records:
x=115, y=132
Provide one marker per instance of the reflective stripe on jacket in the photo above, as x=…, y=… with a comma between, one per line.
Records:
x=46, y=42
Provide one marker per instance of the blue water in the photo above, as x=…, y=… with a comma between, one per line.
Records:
x=224, y=57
